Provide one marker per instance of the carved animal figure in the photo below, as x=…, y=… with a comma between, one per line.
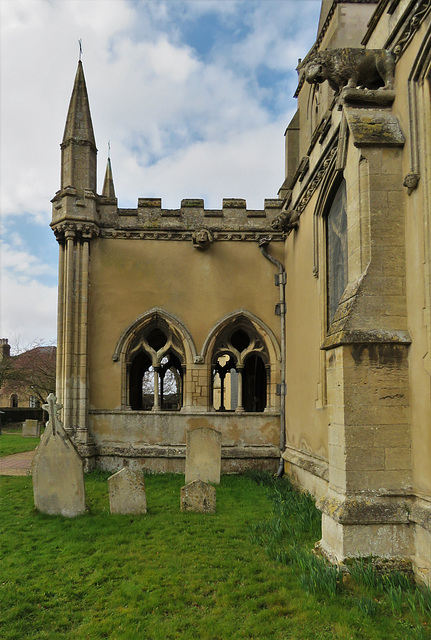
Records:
x=365, y=68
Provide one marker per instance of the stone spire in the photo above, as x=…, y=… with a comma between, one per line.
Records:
x=108, y=185
x=79, y=153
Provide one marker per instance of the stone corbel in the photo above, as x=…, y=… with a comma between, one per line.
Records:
x=411, y=181
x=202, y=239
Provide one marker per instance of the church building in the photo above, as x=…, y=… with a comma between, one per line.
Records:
x=301, y=331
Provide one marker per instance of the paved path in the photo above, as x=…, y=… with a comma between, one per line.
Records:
x=17, y=465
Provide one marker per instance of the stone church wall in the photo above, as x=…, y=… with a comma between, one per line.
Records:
x=145, y=289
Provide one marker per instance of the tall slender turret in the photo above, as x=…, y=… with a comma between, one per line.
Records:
x=75, y=224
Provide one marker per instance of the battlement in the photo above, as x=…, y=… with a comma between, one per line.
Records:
x=151, y=217
x=192, y=207
x=151, y=221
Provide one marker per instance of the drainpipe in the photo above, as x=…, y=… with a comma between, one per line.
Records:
x=280, y=310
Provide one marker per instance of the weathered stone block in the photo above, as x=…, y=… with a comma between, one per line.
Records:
x=398, y=458
x=199, y=497
x=30, y=428
x=203, y=455
x=394, y=435
x=340, y=541
x=127, y=492
x=358, y=458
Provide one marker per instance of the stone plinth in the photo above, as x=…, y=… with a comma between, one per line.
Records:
x=199, y=497
x=127, y=492
x=203, y=455
x=30, y=428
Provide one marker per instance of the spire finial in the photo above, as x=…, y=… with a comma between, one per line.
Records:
x=80, y=48
x=109, y=149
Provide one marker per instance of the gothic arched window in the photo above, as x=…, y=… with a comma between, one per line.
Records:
x=240, y=367
x=155, y=369
x=14, y=401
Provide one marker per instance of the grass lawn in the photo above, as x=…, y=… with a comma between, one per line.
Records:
x=14, y=443
x=170, y=575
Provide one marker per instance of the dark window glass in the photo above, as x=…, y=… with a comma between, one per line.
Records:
x=336, y=246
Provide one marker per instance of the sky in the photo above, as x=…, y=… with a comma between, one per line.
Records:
x=194, y=97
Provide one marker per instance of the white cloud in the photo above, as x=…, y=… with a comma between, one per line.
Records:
x=28, y=310
x=22, y=265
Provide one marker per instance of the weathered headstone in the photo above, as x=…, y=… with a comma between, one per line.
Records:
x=203, y=455
x=58, y=470
x=30, y=428
x=199, y=497
x=127, y=492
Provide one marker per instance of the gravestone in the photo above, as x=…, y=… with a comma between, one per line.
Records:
x=127, y=492
x=203, y=455
x=57, y=469
x=30, y=428
x=199, y=497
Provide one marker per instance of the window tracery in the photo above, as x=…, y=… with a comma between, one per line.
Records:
x=156, y=364
x=240, y=369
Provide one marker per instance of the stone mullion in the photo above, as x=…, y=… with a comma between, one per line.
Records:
x=240, y=371
x=156, y=406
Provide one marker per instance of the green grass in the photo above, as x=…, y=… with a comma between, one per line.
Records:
x=167, y=575
x=14, y=443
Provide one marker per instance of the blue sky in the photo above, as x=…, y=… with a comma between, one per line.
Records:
x=194, y=97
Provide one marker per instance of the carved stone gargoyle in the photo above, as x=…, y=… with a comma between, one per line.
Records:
x=286, y=221
x=364, y=68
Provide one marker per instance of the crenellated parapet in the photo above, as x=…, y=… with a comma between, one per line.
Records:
x=150, y=221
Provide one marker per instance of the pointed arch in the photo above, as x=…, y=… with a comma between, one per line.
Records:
x=244, y=358
x=154, y=350
x=151, y=316
x=234, y=318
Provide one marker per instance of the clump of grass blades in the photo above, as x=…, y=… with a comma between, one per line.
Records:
x=316, y=575
x=296, y=523
x=400, y=592
x=367, y=606
x=364, y=573
x=395, y=599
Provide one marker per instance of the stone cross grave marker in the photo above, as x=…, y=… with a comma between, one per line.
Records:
x=127, y=492
x=57, y=470
x=203, y=455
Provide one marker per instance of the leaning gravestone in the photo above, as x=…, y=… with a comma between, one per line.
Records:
x=203, y=455
x=30, y=428
x=199, y=497
x=127, y=492
x=58, y=470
